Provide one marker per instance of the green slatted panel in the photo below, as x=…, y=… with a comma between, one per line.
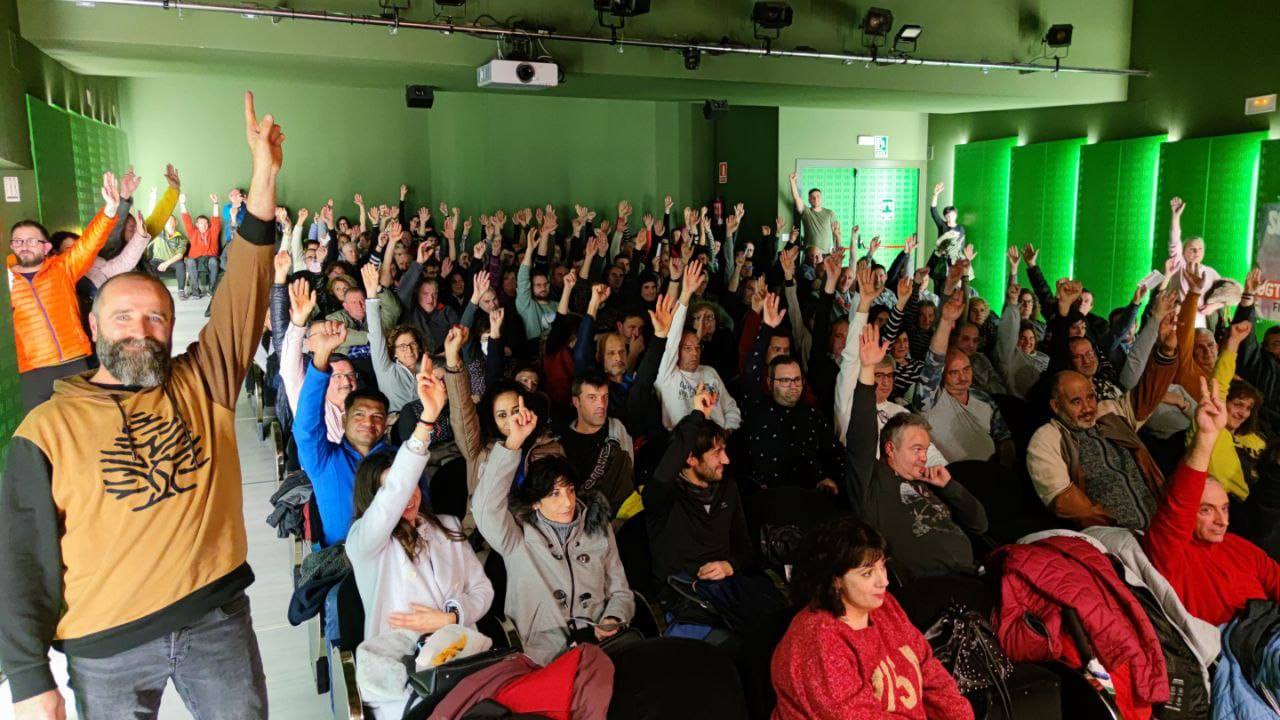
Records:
x=981, y=194
x=1042, y=203
x=1216, y=177
x=1268, y=194
x=886, y=205
x=11, y=412
x=1115, y=192
x=836, y=184
x=52, y=147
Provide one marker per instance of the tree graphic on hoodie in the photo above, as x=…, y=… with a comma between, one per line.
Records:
x=150, y=457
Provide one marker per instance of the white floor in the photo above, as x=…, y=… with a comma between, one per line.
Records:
x=290, y=687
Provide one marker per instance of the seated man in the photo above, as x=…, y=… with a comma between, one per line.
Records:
x=596, y=445
x=355, y=316
x=332, y=465
x=785, y=442
x=697, y=527
x=682, y=371
x=968, y=340
x=1214, y=572
x=968, y=422
x=917, y=508
x=1088, y=463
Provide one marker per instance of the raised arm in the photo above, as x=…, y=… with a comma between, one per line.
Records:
x=229, y=340
x=864, y=430
x=796, y=199
x=489, y=503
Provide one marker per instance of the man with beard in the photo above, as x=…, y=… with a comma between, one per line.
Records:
x=697, y=525
x=1087, y=463
x=49, y=337
x=131, y=557
x=785, y=443
x=533, y=288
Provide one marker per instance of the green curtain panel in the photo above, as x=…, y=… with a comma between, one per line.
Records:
x=1042, y=203
x=981, y=194
x=1115, y=192
x=71, y=152
x=1216, y=177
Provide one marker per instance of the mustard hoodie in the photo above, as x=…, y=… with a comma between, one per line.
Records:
x=121, y=516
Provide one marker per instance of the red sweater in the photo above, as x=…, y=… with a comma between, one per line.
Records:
x=825, y=670
x=1213, y=580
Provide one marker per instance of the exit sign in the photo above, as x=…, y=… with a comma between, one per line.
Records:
x=1260, y=104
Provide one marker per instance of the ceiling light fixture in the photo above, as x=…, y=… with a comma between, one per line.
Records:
x=770, y=15
x=905, y=40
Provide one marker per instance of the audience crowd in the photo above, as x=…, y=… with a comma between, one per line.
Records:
x=617, y=426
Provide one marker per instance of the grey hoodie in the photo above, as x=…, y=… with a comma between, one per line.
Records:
x=549, y=584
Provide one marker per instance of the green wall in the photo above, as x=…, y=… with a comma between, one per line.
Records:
x=1114, y=217
x=1042, y=203
x=479, y=151
x=982, y=197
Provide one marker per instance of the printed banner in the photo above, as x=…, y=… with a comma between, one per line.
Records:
x=1267, y=257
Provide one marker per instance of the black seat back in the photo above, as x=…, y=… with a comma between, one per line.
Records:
x=350, y=614
x=635, y=553
x=1013, y=510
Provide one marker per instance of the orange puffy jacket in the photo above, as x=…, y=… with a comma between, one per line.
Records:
x=46, y=315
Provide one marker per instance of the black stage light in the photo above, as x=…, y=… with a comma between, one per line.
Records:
x=622, y=8
x=692, y=58
x=772, y=15
x=877, y=22
x=714, y=109
x=1058, y=36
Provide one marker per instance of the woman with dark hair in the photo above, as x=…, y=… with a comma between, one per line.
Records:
x=565, y=577
x=415, y=571
x=851, y=653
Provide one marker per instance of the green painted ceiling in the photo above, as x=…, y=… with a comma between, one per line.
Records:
x=130, y=41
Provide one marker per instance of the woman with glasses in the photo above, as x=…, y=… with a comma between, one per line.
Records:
x=395, y=354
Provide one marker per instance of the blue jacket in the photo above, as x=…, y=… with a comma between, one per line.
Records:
x=331, y=466
x=228, y=227
x=1233, y=696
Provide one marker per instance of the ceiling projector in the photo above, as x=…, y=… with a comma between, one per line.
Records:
x=518, y=75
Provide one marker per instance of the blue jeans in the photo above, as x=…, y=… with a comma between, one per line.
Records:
x=214, y=663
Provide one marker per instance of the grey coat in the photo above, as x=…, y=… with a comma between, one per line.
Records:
x=549, y=584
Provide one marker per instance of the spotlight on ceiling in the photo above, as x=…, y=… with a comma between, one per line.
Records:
x=715, y=109
x=692, y=58
x=1059, y=36
x=622, y=8
x=772, y=15
x=905, y=40
x=877, y=23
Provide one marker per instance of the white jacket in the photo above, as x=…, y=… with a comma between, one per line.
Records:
x=677, y=387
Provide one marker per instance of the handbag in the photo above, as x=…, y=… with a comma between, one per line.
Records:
x=964, y=642
x=780, y=544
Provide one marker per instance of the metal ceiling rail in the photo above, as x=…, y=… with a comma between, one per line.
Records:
x=395, y=22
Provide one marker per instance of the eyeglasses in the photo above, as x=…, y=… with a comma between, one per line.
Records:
x=788, y=380
x=26, y=242
x=407, y=346
x=882, y=377
x=345, y=376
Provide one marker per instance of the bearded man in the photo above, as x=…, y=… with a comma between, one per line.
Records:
x=126, y=545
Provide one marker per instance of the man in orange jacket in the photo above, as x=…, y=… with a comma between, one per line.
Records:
x=50, y=339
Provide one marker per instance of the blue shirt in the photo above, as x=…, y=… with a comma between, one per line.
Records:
x=330, y=466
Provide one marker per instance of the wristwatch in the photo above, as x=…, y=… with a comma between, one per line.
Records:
x=416, y=446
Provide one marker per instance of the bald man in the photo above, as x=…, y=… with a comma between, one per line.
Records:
x=132, y=557
x=1214, y=572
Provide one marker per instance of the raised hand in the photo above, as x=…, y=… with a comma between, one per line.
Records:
x=431, y=390
x=404, y=192
x=1253, y=281
x=1194, y=274
x=1030, y=254
x=372, y=280
x=1165, y=304
x=1011, y=293
x=1014, y=258
x=110, y=194
x=906, y=286
x=495, y=321
x=1239, y=331
x=265, y=140
x=480, y=285
x=871, y=349
x=787, y=258
x=522, y=425
x=911, y=243
x=283, y=263
x=704, y=400
x=302, y=301
x=128, y=183
x=772, y=314
x=1177, y=206
x=453, y=343
x=446, y=267
x=970, y=252
x=327, y=337
x=694, y=277
x=1069, y=292
x=953, y=308
x=937, y=190
x=874, y=246
x=171, y=177
x=668, y=203
x=663, y=310
x=1211, y=415
x=866, y=284
x=600, y=293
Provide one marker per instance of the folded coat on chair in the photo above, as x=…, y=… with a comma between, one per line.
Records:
x=1042, y=578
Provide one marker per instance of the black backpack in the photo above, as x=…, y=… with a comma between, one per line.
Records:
x=966, y=645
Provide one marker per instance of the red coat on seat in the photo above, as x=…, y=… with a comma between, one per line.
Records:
x=1042, y=578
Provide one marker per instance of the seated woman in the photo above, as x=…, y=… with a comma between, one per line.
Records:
x=851, y=653
x=564, y=573
x=415, y=571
